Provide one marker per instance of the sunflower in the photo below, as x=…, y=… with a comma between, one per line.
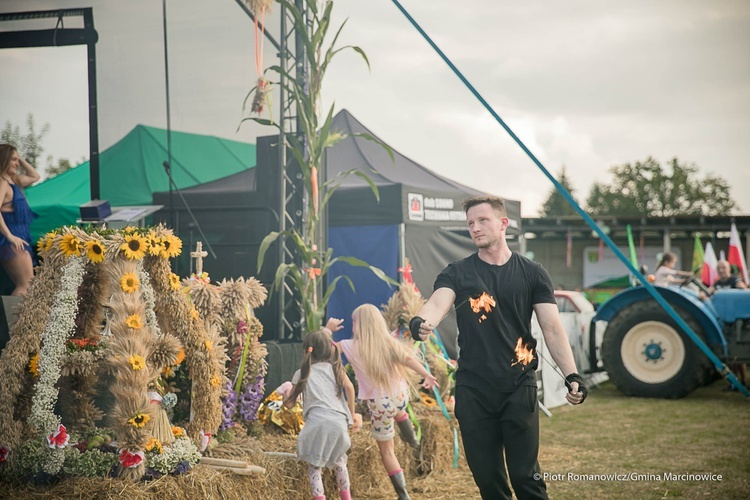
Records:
x=167, y=372
x=134, y=321
x=180, y=356
x=215, y=381
x=428, y=401
x=139, y=419
x=70, y=245
x=34, y=365
x=134, y=247
x=95, y=250
x=137, y=362
x=154, y=244
x=178, y=431
x=153, y=444
x=129, y=283
x=50, y=241
x=174, y=281
x=42, y=243
x=172, y=246
x=129, y=229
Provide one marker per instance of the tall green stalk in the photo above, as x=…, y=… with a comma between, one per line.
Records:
x=309, y=152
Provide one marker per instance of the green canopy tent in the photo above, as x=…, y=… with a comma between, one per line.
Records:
x=132, y=170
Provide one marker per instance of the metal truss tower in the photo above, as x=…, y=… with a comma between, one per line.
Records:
x=293, y=59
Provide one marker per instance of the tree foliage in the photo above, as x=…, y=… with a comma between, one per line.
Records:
x=556, y=205
x=30, y=146
x=647, y=189
x=52, y=170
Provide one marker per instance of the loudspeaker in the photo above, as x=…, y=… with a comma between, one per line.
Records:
x=8, y=317
x=95, y=210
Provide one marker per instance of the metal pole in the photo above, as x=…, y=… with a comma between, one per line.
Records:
x=282, y=167
x=88, y=22
x=168, y=166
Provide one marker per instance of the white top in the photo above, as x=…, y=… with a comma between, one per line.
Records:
x=661, y=276
x=321, y=391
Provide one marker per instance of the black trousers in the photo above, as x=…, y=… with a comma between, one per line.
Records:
x=492, y=422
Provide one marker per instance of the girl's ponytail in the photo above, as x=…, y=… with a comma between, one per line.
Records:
x=338, y=368
x=304, y=374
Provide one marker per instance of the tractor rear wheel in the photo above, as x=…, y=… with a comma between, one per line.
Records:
x=646, y=354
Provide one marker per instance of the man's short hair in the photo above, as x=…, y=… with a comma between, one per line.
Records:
x=495, y=202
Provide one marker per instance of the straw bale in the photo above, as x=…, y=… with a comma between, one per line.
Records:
x=285, y=478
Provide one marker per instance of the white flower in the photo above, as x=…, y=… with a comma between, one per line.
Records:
x=59, y=327
x=147, y=294
x=182, y=450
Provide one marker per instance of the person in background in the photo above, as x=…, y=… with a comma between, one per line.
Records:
x=666, y=274
x=15, y=236
x=726, y=281
x=494, y=292
x=726, y=278
x=324, y=440
x=382, y=366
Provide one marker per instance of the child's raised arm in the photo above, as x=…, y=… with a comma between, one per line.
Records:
x=429, y=379
x=333, y=325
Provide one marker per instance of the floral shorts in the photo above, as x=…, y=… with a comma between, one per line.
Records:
x=383, y=411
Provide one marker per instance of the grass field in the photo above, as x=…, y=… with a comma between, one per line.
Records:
x=643, y=440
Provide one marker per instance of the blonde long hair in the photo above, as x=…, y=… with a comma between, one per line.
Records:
x=383, y=357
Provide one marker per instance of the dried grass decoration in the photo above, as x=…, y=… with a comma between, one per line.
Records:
x=258, y=6
x=204, y=361
x=261, y=98
x=62, y=304
x=401, y=307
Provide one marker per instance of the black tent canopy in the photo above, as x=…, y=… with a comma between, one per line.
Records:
x=396, y=179
x=418, y=217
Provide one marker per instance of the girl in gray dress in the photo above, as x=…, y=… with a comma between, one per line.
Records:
x=324, y=439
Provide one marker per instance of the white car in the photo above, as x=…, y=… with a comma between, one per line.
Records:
x=576, y=313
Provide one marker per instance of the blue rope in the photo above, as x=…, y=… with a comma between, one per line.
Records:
x=721, y=367
x=442, y=405
x=440, y=344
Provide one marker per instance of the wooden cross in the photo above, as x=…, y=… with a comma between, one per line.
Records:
x=198, y=256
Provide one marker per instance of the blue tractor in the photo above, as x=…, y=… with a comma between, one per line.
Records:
x=646, y=354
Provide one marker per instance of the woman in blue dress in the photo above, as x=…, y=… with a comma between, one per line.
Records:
x=15, y=237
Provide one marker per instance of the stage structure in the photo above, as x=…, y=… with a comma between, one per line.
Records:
x=62, y=36
x=291, y=194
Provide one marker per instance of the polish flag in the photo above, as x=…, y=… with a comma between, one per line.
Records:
x=709, y=274
x=736, y=257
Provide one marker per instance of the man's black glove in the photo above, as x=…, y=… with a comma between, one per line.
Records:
x=414, y=325
x=574, y=377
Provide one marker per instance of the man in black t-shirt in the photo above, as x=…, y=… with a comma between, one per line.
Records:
x=495, y=291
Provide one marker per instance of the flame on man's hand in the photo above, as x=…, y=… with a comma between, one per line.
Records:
x=524, y=353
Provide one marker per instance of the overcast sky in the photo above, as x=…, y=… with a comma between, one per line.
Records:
x=585, y=84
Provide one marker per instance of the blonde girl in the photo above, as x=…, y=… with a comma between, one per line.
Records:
x=324, y=439
x=381, y=364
